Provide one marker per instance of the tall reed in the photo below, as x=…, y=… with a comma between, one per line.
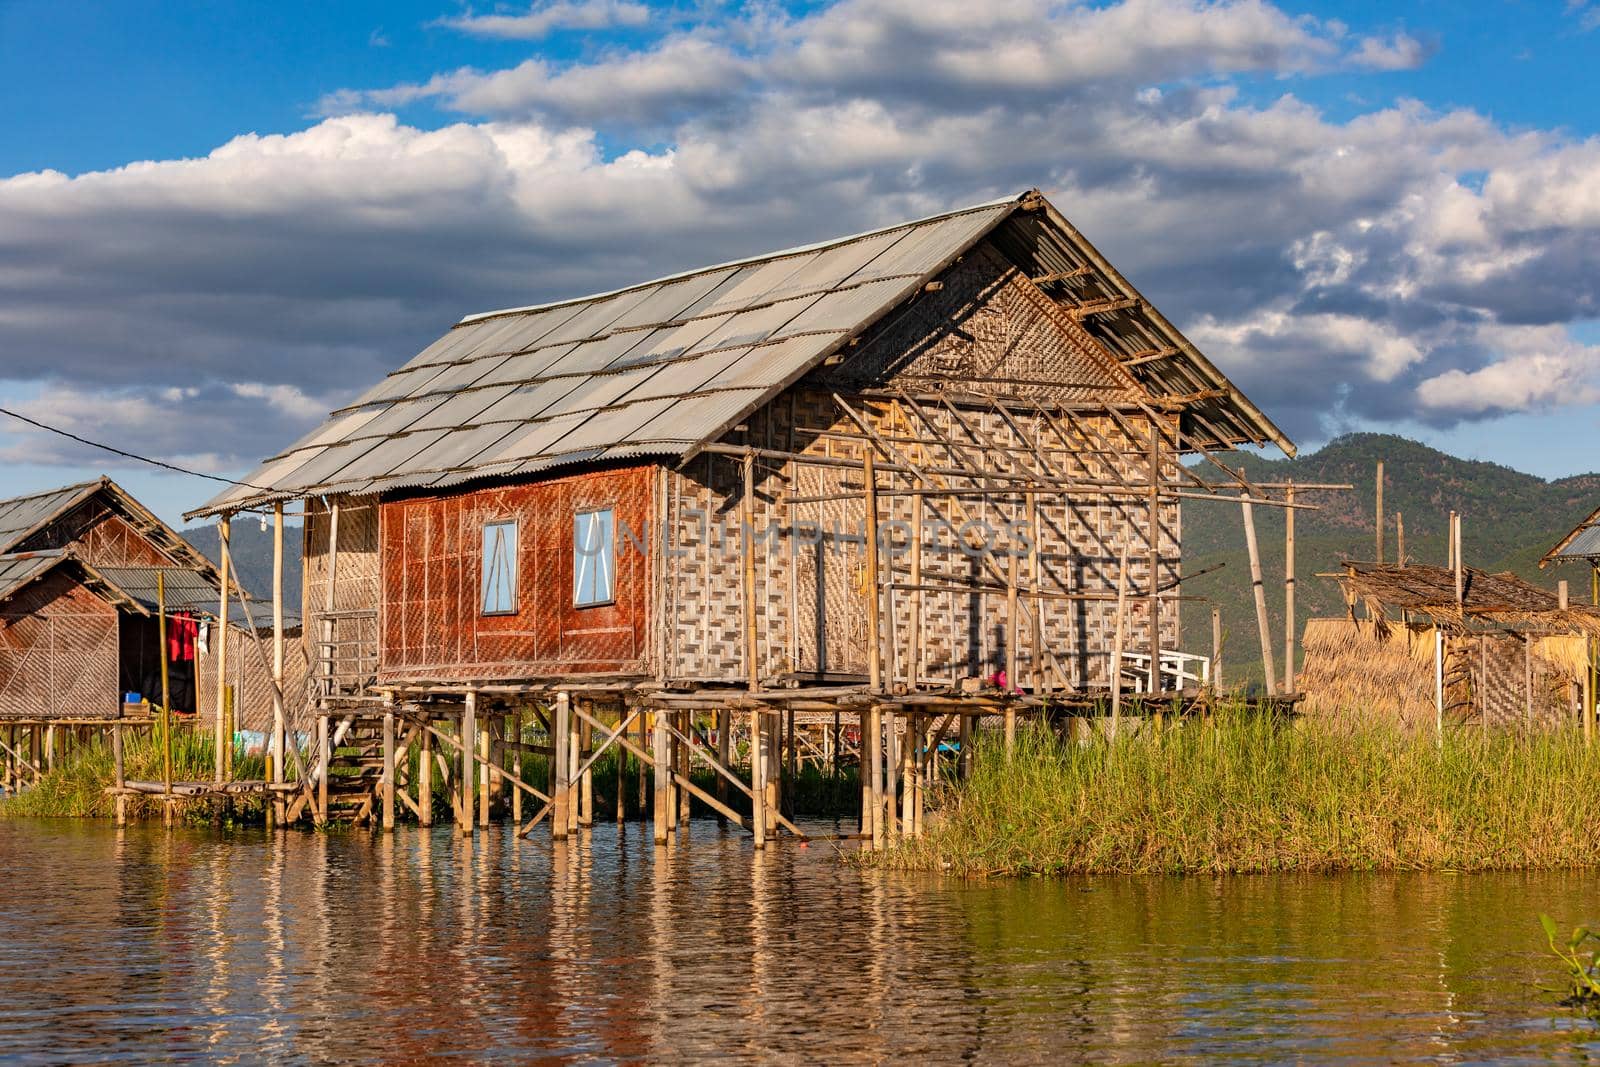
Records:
x=1244, y=792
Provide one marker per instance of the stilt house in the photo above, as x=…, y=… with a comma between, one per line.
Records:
x=902, y=461
x=79, y=624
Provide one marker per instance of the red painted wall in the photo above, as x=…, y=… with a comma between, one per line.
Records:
x=430, y=623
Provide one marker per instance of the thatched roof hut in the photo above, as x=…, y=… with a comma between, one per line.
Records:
x=1411, y=648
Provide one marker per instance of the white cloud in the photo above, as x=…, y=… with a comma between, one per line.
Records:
x=1399, y=52
x=541, y=20
x=1402, y=261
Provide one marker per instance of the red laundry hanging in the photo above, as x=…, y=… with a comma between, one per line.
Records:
x=182, y=632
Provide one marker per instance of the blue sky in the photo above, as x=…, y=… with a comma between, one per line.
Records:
x=1392, y=208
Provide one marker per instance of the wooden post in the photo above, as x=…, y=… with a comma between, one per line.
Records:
x=875, y=740
x=658, y=760
x=388, y=761
x=1154, y=684
x=514, y=729
x=1216, y=650
x=574, y=762
x=425, y=775
x=874, y=594
x=1400, y=538
x=166, y=698
x=560, y=738
x=1260, y=596
x=1012, y=637
x=758, y=774
x=864, y=776
x=485, y=732
x=118, y=775
x=1455, y=541
x=324, y=761
x=586, y=782
x=222, y=742
x=724, y=720
x=1289, y=627
x=276, y=745
x=1118, y=635
x=1438, y=682
x=747, y=513
x=891, y=775
x=1450, y=543
x=915, y=655
x=1036, y=615
x=964, y=742
x=469, y=746
x=1378, y=514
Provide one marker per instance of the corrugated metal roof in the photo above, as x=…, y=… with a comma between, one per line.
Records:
x=22, y=515
x=187, y=590
x=18, y=569
x=1582, y=543
x=661, y=368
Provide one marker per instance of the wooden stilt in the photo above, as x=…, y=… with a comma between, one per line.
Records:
x=425, y=776
x=469, y=773
x=166, y=699
x=485, y=758
x=662, y=774
x=864, y=775
x=1153, y=683
x=622, y=769
x=758, y=773
x=964, y=742
x=324, y=765
x=574, y=761
x=724, y=720
x=873, y=742
x=644, y=746
x=891, y=775
x=1378, y=512
x=515, y=731
x=586, y=785
x=1216, y=650
x=560, y=766
x=388, y=785
x=1400, y=538
x=119, y=776
x=874, y=592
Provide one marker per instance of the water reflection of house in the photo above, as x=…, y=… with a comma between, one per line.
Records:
x=661, y=494
x=79, y=624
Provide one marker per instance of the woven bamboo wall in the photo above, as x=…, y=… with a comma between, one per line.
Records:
x=252, y=679
x=355, y=592
x=58, y=653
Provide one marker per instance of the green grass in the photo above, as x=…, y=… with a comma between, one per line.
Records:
x=1246, y=793
x=76, y=788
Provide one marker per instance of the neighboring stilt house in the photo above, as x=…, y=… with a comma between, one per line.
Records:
x=899, y=464
x=79, y=621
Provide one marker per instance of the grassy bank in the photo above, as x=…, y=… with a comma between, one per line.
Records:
x=1242, y=793
x=76, y=788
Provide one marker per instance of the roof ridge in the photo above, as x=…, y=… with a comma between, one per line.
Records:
x=92, y=482
x=764, y=257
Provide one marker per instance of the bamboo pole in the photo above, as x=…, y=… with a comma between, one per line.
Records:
x=469, y=746
x=1260, y=596
x=758, y=771
x=425, y=776
x=166, y=696
x=1119, y=635
x=1216, y=650
x=747, y=511
x=658, y=760
x=864, y=774
x=1378, y=514
x=223, y=742
x=891, y=775
x=1289, y=627
x=1455, y=541
x=1154, y=683
x=324, y=759
x=874, y=739
x=915, y=657
x=873, y=594
x=279, y=740
x=388, y=784
x=560, y=738
x=1012, y=636
x=1438, y=683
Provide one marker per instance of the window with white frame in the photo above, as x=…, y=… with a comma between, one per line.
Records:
x=594, y=558
x=499, y=568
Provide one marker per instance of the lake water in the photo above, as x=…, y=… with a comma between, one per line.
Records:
x=145, y=944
